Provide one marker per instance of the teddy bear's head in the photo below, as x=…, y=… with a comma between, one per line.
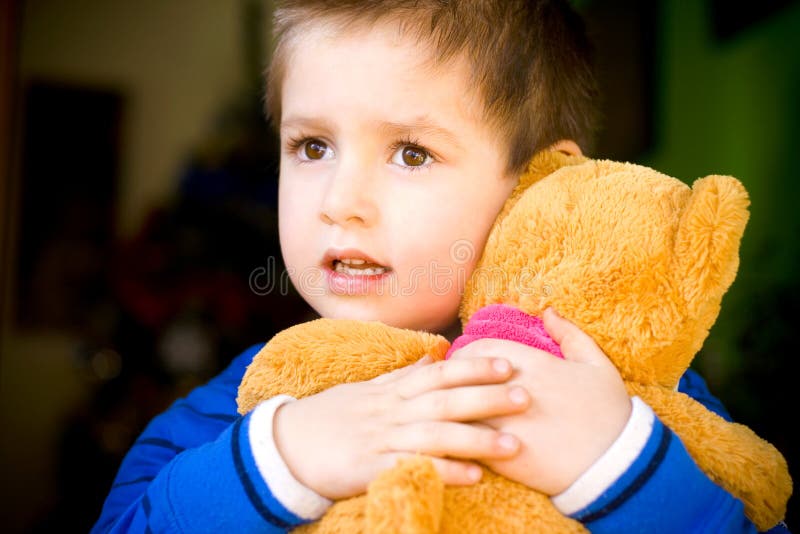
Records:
x=639, y=260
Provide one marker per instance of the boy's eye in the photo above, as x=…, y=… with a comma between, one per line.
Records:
x=411, y=156
x=314, y=149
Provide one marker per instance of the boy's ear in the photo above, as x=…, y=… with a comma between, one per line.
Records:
x=567, y=147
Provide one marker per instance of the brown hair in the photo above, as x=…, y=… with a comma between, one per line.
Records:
x=530, y=60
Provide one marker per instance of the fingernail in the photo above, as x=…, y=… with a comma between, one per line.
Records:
x=553, y=311
x=474, y=473
x=507, y=441
x=501, y=366
x=424, y=360
x=518, y=395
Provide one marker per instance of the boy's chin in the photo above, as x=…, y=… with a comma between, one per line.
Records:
x=391, y=315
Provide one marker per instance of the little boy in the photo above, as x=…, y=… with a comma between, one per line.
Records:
x=404, y=125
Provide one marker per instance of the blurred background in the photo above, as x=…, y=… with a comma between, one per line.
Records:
x=138, y=182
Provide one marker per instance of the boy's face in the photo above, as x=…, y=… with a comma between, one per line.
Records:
x=389, y=181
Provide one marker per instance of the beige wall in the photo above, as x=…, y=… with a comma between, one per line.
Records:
x=175, y=61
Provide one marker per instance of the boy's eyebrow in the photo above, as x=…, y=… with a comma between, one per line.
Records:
x=421, y=125
x=308, y=122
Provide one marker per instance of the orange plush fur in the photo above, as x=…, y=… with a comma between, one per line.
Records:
x=639, y=260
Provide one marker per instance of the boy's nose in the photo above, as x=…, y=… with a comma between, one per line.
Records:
x=349, y=200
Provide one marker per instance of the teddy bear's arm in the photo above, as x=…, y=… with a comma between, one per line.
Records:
x=731, y=454
x=314, y=356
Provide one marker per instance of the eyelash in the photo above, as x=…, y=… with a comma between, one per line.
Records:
x=408, y=141
x=293, y=144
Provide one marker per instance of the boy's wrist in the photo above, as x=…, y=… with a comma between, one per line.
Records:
x=612, y=464
x=290, y=492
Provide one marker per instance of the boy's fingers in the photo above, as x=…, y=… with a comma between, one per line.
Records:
x=457, y=473
x=454, y=440
x=468, y=403
x=403, y=371
x=452, y=472
x=575, y=344
x=452, y=373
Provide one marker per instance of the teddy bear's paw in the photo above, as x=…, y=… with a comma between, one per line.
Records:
x=406, y=499
x=497, y=505
x=314, y=356
x=344, y=517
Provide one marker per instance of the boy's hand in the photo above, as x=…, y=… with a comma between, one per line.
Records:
x=339, y=440
x=578, y=408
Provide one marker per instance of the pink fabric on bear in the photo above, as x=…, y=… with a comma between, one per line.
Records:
x=500, y=321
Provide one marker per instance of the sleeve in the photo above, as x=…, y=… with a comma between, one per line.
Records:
x=652, y=484
x=663, y=490
x=193, y=470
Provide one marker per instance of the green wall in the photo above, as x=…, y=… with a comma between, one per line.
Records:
x=733, y=107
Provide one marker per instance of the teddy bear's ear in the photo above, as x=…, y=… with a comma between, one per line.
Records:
x=707, y=243
x=542, y=164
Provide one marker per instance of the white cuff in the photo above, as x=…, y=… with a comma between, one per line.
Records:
x=295, y=497
x=612, y=464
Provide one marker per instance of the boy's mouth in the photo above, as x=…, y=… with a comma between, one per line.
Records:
x=353, y=262
x=353, y=273
x=358, y=267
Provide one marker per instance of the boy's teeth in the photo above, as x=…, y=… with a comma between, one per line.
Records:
x=357, y=267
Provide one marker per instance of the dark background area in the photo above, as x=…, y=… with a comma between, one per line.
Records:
x=138, y=234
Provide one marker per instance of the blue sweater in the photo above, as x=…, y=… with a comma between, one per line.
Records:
x=192, y=470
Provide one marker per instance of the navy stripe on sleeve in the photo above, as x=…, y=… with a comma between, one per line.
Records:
x=249, y=488
x=638, y=482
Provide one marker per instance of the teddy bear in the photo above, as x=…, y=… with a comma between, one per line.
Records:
x=638, y=260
